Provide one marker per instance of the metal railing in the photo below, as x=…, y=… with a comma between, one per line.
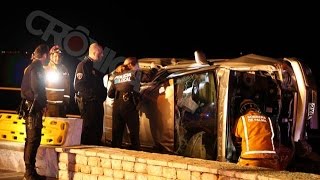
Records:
x=13, y=111
x=10, y=88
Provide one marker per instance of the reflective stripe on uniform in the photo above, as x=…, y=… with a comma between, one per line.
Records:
x=246, y=136
x=259, y=152
x=54, y=102
x=272, y=134
x=245, y=133
x=54, y=89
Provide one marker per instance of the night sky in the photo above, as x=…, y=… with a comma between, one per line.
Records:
x=177, y=30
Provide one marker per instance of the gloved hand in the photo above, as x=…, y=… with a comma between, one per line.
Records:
x=66, y=101
x=153, y=66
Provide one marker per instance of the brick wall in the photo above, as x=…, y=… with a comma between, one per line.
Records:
x=99, y=163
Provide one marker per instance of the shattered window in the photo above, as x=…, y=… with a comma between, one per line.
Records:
x=195, y=115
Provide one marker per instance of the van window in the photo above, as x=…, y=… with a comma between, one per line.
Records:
x=195, y=115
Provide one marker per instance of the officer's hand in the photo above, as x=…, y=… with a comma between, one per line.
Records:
x=66, y=101
x=65, y=107
x=154, y=66
x=119, y=69
x=44, y=110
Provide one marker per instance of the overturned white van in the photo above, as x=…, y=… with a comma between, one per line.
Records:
x=190, y=106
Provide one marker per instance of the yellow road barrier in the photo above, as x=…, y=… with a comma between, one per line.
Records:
x=12, y=128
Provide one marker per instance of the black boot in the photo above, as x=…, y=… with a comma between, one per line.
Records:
x=37, y=176
x=29, y=172
x=33, y=175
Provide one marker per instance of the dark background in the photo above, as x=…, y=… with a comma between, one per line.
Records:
x=170, y=30
x=154, y=30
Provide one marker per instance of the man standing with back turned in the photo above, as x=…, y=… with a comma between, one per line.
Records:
x=34, y=95
x=125, y=89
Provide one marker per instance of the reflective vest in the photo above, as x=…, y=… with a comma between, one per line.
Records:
x=257, y=136
x=57, y=84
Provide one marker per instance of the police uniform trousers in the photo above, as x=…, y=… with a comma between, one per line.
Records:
x=33, y=139
x=125, y=113
x=92, y=127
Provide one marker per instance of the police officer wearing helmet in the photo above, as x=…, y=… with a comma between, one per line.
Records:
x=33, y=94
x=90, y=94
x=57, y=84
x=254, y=132
x=125, y=89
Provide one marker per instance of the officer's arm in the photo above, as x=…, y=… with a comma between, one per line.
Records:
x=81, y=83
x=237, y=131
x=112, y=90
x=148, y=76
x=38, y=89
x=106, y=81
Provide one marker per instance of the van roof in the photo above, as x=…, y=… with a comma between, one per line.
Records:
x=250, y=62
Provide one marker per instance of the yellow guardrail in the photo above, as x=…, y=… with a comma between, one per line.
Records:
x=12, y=128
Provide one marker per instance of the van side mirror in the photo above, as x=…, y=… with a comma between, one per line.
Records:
x=200, y=57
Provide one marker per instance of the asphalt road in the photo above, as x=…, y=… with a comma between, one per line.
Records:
x=11, y=175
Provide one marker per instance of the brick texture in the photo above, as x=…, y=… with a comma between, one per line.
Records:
x=102, y=163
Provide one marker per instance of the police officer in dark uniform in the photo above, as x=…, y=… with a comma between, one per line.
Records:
x=125, y=89
x=34, y=95
x=90, y=94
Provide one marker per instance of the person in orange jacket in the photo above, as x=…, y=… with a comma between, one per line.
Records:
x=57, y=84
x=254, y=132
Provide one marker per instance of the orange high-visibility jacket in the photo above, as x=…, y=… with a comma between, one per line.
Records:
x=257, y=135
